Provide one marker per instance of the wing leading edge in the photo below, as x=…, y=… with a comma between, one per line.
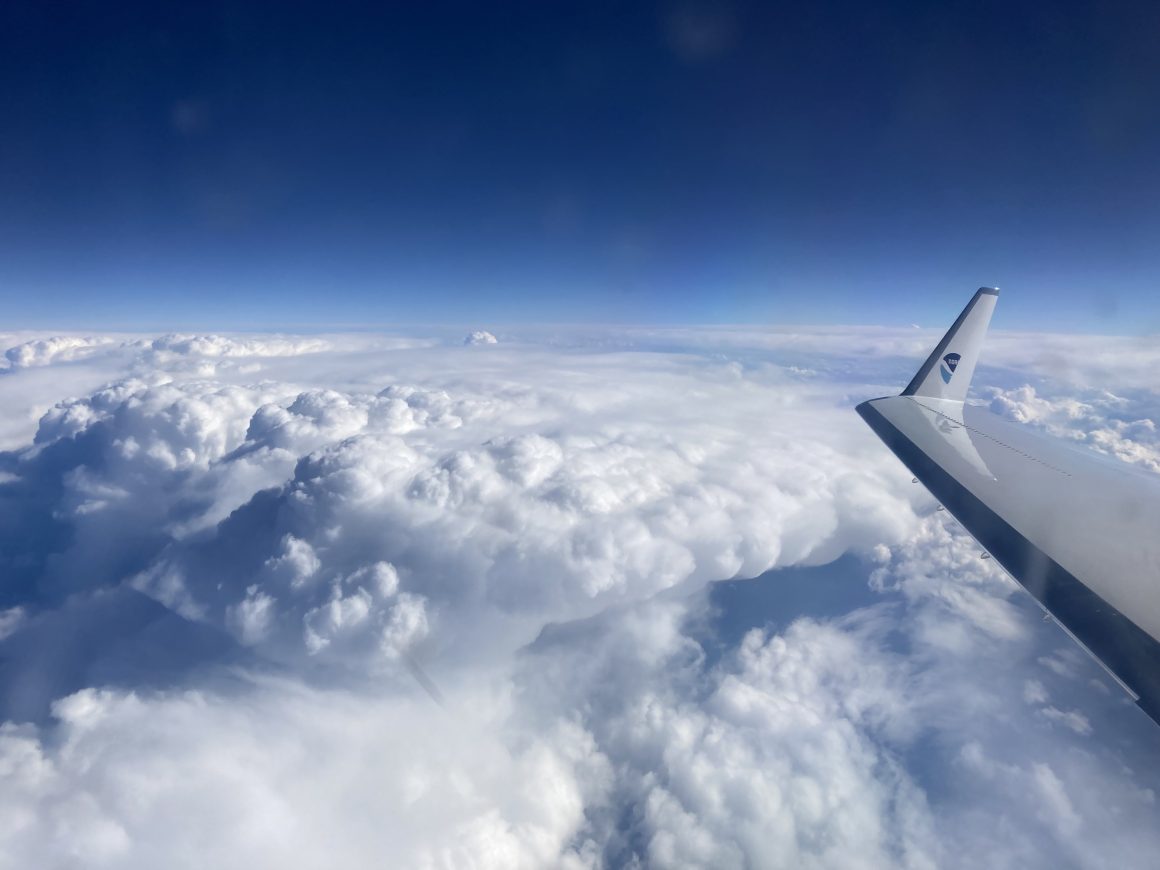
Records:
x=1075, y=529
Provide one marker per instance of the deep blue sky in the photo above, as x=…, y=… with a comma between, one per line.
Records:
x=286, y=164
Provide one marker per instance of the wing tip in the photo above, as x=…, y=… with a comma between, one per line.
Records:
x=971, y=325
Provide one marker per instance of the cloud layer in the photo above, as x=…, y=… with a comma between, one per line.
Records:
x=312, y=600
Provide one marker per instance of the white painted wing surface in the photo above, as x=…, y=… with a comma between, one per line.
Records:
x=1077, y=530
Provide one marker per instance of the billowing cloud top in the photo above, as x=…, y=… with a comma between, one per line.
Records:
x=385, y=600
x=480, y=336
x=225, y=346
x=59, y=348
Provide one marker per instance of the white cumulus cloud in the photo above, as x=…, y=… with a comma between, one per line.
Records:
x=244, y=567
x=55, y=349
x=480, y=336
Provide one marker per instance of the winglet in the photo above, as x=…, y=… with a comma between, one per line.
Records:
x=947, y=372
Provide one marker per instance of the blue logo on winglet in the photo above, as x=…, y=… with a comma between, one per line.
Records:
x=950, y=362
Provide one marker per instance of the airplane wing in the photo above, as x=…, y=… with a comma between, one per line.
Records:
x=1079, y=531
